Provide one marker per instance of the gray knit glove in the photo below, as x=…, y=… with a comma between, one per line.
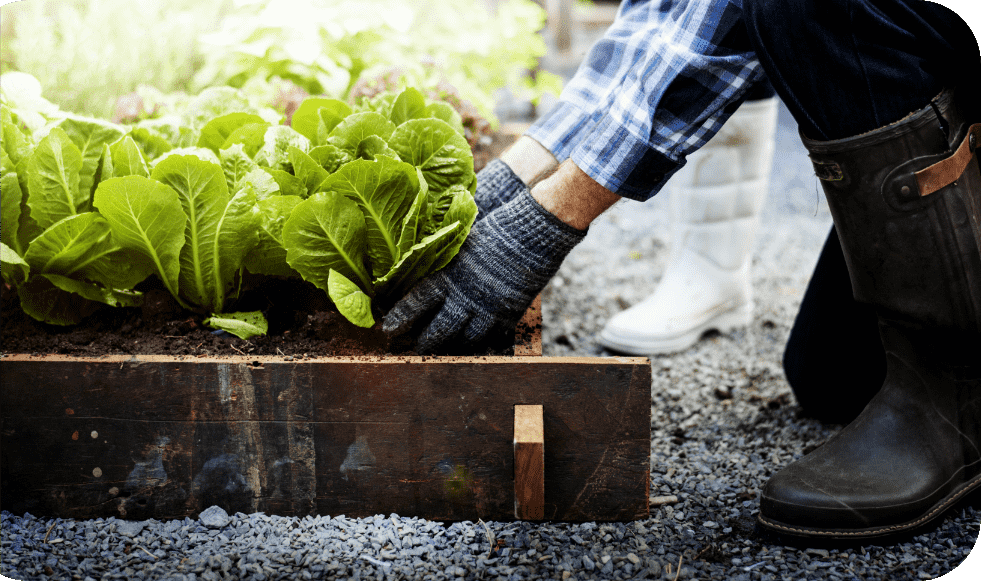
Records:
x=496, y=186
x=504, y=264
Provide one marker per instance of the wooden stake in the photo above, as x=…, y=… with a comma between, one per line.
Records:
x=529, y=462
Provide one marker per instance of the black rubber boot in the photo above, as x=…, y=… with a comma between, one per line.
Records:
x=912, y=242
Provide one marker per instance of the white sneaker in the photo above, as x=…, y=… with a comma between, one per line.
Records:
x=715, y=205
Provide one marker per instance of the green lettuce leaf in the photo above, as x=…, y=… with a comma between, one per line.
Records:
x=275, y=151
x=126, y=159
x=327, y=231
x=251, y=136
x=316, y=116
x=434, y=146
x=307, y=170
x=152, y=144
x=269, y=255
x=219, y=232
x=384, y=190
x=146, y=217
x=237, y=165
x=410, y=104
x=216, y=132
x=350, y=132
x=14, y=269
x=446, y=112
x=330, y=157
x=53, y=181
x=11, y=197
x=242, y=325
x=59, y=300
x=350, y=301
x=89, y=135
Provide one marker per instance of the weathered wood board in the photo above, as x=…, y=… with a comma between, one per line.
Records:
x=153, y=436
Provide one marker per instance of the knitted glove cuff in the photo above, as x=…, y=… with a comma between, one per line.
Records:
x=497, y=185
x=527, y=232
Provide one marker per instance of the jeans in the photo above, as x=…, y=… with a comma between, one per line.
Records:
x=843, y=68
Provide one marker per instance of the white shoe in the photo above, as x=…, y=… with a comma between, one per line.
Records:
x=715, y=205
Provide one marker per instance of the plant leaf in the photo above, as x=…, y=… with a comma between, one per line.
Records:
x=269, y=255
x=373, y=146
x=446, y=112
x=314, y=113
x=350, y=132
x=349, y=299
x=410, y=104
x=89, y=135
x=327, y=231
x=411, y=224
x=242, y=325
x=70, y=245
x=59, y=300
x=434, y=146
x=53, y=182
x=11, y=197
x=330, y=157
x=384, y=190
x=216, y=132
x=151, y=144
x=146, y=217
x=237, y=235
x=416, y=263
x=127, y=159
x=14, y=268
x=251, y=136
x=307, y=170
x=289, y=184
x=203, y=195
x=236, y=164
x=275, y=151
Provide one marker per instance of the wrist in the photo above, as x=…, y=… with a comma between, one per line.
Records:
x=573, y=197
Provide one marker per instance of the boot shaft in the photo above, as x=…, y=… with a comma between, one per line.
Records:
x=913, y=253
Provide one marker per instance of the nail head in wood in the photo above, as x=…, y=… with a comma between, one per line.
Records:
x=529, y=462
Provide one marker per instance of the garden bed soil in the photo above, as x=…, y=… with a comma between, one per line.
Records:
x=302, y=321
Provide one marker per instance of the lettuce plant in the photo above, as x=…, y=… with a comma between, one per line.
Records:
x=361, y=202
x=60, y=256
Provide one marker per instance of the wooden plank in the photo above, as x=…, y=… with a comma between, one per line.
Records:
x=154, y=436
x=529, y=462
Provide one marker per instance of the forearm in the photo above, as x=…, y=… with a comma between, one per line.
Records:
x=572, y=196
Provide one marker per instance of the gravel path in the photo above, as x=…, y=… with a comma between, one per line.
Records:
x=723, y=420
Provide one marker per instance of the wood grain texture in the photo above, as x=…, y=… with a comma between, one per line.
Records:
x=154, y=436
x=529, y=462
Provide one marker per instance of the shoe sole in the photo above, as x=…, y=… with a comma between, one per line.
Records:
x=725, y=322
x=874, y=532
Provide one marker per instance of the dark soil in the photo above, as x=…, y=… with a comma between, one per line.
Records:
x=302, y=321
x=302, y=324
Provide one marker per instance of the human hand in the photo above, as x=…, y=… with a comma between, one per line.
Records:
x=504, y=264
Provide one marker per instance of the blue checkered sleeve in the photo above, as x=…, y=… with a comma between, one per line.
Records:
x=658, y=85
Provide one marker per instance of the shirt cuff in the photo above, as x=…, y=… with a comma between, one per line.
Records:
x=622, y=163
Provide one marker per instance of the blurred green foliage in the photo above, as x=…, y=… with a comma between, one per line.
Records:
x=86, y=53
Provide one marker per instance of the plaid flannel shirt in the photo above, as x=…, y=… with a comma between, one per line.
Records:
x=657, y=86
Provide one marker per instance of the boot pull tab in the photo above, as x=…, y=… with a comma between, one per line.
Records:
x=947, y=171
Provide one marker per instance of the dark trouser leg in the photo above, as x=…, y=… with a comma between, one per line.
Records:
x=834, y=359
x=843, y=68
x=905, y=194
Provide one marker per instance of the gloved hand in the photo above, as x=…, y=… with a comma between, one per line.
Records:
x=497, y=185
x=504, y=264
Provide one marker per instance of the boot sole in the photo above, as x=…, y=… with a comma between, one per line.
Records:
x=882, y=532
x=724, y=323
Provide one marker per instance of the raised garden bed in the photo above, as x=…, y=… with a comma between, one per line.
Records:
x=144, y=413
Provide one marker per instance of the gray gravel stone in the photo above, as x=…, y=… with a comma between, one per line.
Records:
x=214, y=517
